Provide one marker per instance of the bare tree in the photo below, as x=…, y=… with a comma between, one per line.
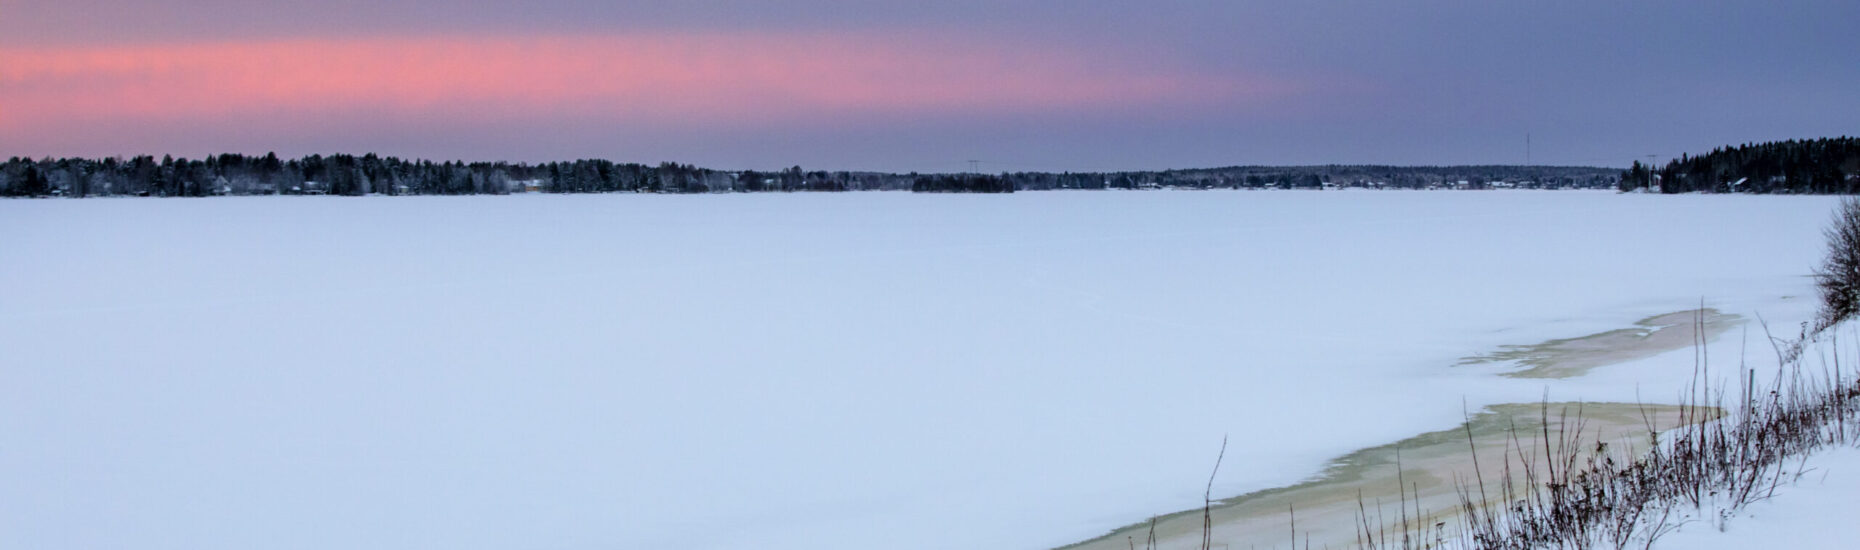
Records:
x=1839, y=276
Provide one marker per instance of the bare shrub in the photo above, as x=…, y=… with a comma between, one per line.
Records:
x=1732, y=446
x=1839, y=275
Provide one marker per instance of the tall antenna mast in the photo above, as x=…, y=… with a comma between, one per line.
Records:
x=1527, y=148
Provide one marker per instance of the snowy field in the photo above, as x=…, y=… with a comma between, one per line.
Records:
x=818, y=371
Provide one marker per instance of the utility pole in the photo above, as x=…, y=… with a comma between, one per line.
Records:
x=1537, y=179
x=1652, y=172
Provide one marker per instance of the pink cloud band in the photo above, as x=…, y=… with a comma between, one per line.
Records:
x=710, y=77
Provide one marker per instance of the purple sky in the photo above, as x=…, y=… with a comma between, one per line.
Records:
x=1040, y=85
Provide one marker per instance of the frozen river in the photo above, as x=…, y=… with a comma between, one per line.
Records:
x=818, y=371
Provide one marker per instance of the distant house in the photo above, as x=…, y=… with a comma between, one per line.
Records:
x=526, y=186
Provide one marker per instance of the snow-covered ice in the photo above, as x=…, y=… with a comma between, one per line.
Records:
x=779, y=372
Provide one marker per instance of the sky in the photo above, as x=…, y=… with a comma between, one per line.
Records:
x=1076, y=85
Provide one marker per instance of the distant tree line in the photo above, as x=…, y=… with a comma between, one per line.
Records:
x=961, y=183
x=1820, y=166
x=233, y=174
x=1327, y=176
x=371, y=174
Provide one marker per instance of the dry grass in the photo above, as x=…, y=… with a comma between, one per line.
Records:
x=1580, y=494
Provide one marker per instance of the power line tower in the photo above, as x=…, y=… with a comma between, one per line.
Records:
x=975, y=167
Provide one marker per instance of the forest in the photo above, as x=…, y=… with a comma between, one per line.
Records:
x=370, y=174
x=1817, y=166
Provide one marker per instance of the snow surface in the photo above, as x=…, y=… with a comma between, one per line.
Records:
x=812, y=371
x=1811, y=512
